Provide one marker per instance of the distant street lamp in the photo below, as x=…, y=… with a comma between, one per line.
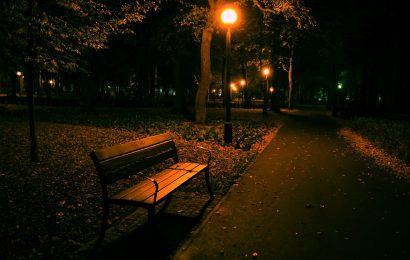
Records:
x=228, y=17
x=233, y=87
x=242, y=82
x=266, y=72
x=20, y=77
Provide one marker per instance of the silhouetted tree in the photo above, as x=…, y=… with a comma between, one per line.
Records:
x=203, y=18
x=53, y=34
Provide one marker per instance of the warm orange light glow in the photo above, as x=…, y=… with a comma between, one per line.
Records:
x=266, y=71
x=233, y=87
x=242, y=82
x=229, y=16
x=271, y=89
x=19, y=73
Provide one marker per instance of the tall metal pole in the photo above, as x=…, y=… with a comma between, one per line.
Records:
x=265, y=97
x=228, y=123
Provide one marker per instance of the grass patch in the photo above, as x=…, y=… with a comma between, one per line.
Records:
x=51, y=208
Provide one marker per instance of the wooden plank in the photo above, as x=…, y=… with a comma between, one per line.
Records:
x=170, y=188
x=144, y=187
x=188, y=166
x=141, y=192
x=120, y=161
x=138, y=155
x=168, y=180
x=164, y=190
x=172, y=175
x=109, y=152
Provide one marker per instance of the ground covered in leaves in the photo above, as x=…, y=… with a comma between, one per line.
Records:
x=383, y=159
x=386, y=141
x=53, y=207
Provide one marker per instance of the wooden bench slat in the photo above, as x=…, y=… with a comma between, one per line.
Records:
x=187, y=166
x=136, y=193
x=144, y=192
x=161, y=176
x=145, y=188
x=125, y=172
x=113, y=151
x=155, y=153
x=166, y=190
x=148, y=188
x=170, y=188
x=168, y=175
x=127, y=159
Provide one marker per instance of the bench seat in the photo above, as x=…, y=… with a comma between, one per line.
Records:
x=121, y=161
x=168, y=180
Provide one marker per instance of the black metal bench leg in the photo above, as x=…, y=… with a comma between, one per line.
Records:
x=152, y=224
x=208, y=184
x=151, y=217
x=104, y=224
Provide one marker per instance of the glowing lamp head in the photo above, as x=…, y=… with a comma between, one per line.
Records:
x=229, y=16
x=266, y=71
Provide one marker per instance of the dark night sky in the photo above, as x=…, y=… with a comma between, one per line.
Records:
x=352, y=29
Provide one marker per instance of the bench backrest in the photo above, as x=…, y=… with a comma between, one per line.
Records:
x=120, y=161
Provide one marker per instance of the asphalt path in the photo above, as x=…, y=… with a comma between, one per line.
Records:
x=309, y=195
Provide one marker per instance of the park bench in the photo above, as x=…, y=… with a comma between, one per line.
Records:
x=121, y=161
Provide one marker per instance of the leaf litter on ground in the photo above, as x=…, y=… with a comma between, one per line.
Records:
x=53, y=207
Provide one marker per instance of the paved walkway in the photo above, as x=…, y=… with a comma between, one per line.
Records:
x=308, y=196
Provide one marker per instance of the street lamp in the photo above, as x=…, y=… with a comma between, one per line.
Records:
x=228, y=17
x=20, y=77
x=242, y=82
x=233, y=87
x=266, y=72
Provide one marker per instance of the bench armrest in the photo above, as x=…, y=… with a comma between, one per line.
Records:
x=153, y=181
x=202, y=148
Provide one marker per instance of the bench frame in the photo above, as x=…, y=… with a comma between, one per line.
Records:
x=123, y=160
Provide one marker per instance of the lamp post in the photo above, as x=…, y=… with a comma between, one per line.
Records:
x=243, y=83
x=266, y=72
x=228, y=17
x=19, y=82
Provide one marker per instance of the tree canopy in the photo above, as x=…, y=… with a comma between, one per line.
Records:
x=202, y=17
x=52, y=34
x=61, y=30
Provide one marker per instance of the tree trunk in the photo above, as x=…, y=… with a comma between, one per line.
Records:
x=30, y=86
x=290, y=79
x=247, y=99
x=30, y=103
x=205, y=81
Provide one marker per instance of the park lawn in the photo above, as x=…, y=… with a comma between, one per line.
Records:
x=53, y=207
